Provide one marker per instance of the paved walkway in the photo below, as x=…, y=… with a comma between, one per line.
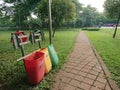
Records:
x=82, y=71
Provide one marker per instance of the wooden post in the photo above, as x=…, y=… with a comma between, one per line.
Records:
x=50, y=21
x=14, y=40
x=21, y=47
x=39, y=43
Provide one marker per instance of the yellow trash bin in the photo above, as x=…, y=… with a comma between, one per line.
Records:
x=48, y=65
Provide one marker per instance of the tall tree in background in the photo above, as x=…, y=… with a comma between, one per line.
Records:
x=112, y=10
x=89, y=16
x=22, y=9
x=1, y=12
x=6, y=12
x=78, y=6
x=62, y=11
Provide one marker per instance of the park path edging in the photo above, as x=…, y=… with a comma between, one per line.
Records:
x=105, y=69
x=84, y=69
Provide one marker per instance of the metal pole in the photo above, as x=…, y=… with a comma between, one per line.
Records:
x=50, y=21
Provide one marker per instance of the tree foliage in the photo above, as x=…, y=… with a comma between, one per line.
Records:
x=78, y=6
x=33, y=22
x=89, y=17
x=64, y=13
x=22, y=9
x=6, y=13
x=112, y=8
x=62, y=10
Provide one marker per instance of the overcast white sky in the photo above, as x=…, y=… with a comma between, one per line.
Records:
x=1, y=1
x=94, y=3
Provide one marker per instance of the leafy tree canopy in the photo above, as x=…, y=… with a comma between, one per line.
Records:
x=22, y=9
x=89, y=16
x=78, y=5
x=62, y=10
x=112, y=8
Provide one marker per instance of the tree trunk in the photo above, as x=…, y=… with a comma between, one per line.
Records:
x=54, y=32
x=56, y=25
x=116, y=26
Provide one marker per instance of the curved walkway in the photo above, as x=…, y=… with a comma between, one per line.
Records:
x=83, y=70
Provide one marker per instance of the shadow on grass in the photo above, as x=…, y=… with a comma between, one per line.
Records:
x=15, y=83
x=17, y=80
x=19, y=84
x=14, y=78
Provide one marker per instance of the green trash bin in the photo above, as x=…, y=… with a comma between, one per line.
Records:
x=53, y=55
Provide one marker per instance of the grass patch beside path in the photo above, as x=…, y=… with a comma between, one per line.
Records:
x=12, y=73
x=109, y=49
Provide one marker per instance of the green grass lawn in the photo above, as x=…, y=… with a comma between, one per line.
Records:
x=12, y=73
x=109, y=49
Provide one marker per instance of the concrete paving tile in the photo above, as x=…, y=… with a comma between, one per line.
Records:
x=88, y=81
x=107, y=87
x=93, y=77
x=68, y=63
x=78, y=68
x=77, y=62
x=98, y=67
x=88, y=67
x=97, y=70
x=84, y=86
x=69, y=75
x=95, y=88
x=60, y=86
x=85, y=70
x=92, y=65
x=80, y=65
x=85, y=61
x=94, y=73
x=74, y=71
x=83, y=73
x=101, y=75
x=73, y=64
x=67, y=70
x=102, y=80
x=69, y=87
x=74, y=83
x=99, y=85
x=102, y=72
x=70, y=58
x=79, y=78
x=65, y=79
x=78, y=89
x=68, y=66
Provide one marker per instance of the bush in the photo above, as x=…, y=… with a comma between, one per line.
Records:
x=91, y=29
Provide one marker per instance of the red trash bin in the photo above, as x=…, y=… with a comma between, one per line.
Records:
x=34, y=66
